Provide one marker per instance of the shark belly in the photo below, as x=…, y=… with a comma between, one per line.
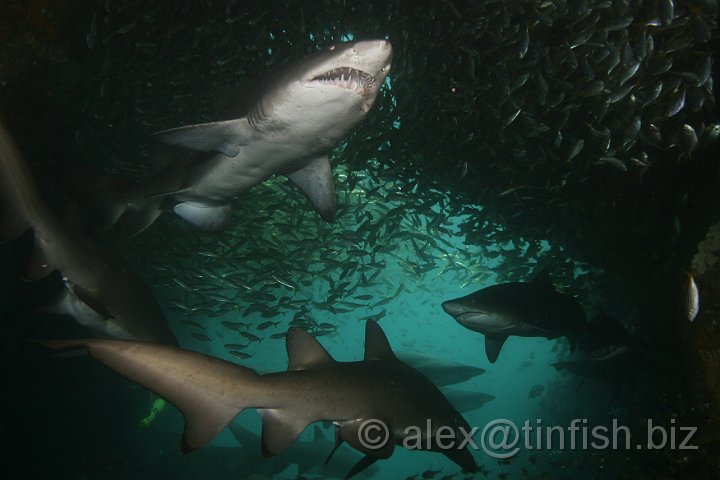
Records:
x=223, y=178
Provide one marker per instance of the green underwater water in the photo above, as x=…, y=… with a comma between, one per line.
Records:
x=439, y=195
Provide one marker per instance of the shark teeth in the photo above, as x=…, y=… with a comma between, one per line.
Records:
x=348, y=78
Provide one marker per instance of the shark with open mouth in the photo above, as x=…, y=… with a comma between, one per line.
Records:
x=288, y=127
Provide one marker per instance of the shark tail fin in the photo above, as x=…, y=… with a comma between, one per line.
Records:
x=208, y=391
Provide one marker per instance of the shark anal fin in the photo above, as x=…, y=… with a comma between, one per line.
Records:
x=493, y=345
x=226, y=137
x=210, y=218
x=280, y=428
x=315, y=180
x=88, y=298
x=361, y=465
x=377, y=346
x=304, y=351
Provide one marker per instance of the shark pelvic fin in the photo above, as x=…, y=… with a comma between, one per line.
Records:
x=493, y=345
x=315, y=180
x=226, y=137
x=377, y=346
x=279, y=430
x=304, y=351
x=211, y=218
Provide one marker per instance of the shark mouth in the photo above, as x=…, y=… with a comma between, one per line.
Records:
x=348, y=78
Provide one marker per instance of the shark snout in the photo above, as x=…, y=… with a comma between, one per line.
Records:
x=453, y=308
x=379, y=50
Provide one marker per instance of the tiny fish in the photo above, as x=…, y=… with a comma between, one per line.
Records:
x=266, y=325
x=192, y=324
x=692, y=299
x=283, y=282
x=277, y=336
x=536, y=391
x=240, y=355
x=201, y=337
x=234, y=346
x=250, y=336
x=615, y=162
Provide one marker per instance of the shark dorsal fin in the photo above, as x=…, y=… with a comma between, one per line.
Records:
x=304, y=351
x=377, y=346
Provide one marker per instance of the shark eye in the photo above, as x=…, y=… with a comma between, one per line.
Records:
x=331, y=47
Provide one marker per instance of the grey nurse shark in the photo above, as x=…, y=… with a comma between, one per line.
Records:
x=527, y=309
x=210, y=392
x=288, y=127
x=109, y=299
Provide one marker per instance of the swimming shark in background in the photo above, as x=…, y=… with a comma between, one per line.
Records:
x=609, y=353
x=526, y=309
x=440, y=371
x=211, y=392
x=289, y=126
x=112, y=301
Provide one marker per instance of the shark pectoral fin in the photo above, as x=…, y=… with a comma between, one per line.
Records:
x=90, y=299
x=280, y=428
x=493, y=345
x=315, y=180
x=226, y=137
x=364, y=463
x=211, y=218
x=304, y=351
x=38, y=267
x=462, y=457
x=377, y=346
